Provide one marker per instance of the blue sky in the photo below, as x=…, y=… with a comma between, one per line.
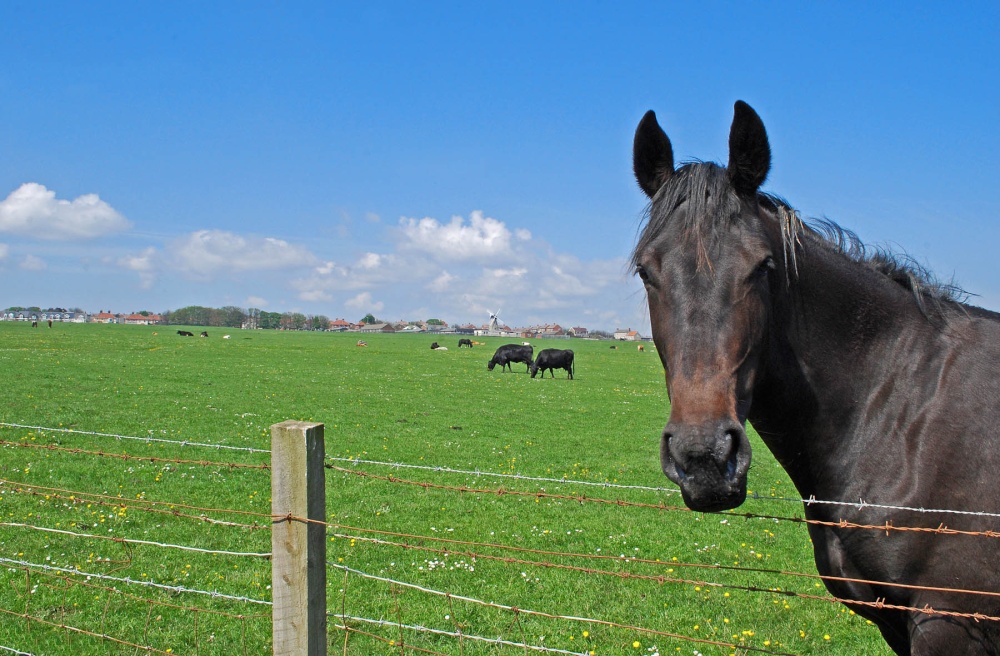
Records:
x=449, y=159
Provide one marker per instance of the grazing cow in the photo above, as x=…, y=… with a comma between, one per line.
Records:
x=34, y=324
x=464, y=342
x=614, y=347
x=204, y=333
x=50, y=323
x=641, y=348
x=185, y=333
x=511, y=353
x=553, y=359
x=435, y=346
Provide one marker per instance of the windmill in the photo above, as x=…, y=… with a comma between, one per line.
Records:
x=494, y=326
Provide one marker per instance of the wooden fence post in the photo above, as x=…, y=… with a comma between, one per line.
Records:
x=298, y=548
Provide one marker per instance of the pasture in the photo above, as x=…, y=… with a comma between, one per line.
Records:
x=613, y=569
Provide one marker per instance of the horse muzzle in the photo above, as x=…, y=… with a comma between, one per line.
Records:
x=709, y=463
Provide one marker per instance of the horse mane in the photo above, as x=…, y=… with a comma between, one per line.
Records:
x=713, y=205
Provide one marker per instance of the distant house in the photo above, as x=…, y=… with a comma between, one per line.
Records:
x=411, y=328
x=627, y=335
x=377, y=328
x=340, y=325
x=63, y=316
x=142, y=319
x=104, y=317
x=579, y=332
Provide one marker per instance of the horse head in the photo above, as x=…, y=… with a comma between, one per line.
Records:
x=710, y=262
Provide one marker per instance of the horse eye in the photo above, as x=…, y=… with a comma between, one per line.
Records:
x=642, y=273
x=767, y=264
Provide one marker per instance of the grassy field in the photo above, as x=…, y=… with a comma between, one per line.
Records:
x=131, y=510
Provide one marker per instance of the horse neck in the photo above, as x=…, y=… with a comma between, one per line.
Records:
x=834, y=333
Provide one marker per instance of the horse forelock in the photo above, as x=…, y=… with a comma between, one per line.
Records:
x=711, y=206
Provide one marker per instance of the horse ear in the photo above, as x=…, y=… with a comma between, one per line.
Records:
x=749, y=152
x=652, y=155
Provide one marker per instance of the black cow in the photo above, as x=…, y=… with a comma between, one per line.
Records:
x=511, y=353
x=464, y=342
x=184, y=333
x=435, y=346
x=553, y=359
x=204, y=333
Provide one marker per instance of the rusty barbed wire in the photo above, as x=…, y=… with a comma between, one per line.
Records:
x=126, y=456
x=143, y=503
x=501, y=491
x=571, y=618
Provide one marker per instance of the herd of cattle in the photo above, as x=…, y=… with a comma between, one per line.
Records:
x=549, y=358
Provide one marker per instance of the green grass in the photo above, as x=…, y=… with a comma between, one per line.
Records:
x=395, y=401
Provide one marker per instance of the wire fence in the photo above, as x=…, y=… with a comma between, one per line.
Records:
x=47, y=601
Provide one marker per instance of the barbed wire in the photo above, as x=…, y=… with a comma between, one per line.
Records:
x=112, y=538
x=449, y=634
x=126, y=456
x=519, y=477
x=178, y=589
x=74, y=629
x=860, y=504
x=134, y=437
x=108, y=500
x=70, y=578
x=887, y=526
x=634, y=559
x=570, y=618
x=17, y=652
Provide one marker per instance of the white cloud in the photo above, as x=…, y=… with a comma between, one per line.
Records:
x=32, y=263
x=363, y=302
x=315, y=295
x=483, y=237
x=212, y=251
x=144, y=264
x=441, y=283
x=370, y=261
x=256, y=302
x=32, y=210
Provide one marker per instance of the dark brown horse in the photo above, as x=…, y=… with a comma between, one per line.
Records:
x=869, y=383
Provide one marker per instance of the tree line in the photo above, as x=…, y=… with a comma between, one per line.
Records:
x=237, y=317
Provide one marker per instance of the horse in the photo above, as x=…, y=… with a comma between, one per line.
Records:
x=464, y=342
x=874, y=387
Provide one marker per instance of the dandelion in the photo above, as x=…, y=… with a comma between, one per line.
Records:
x=636, y=644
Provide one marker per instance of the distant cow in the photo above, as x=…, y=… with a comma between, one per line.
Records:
x=553, y=359
x=511, y=353
x=204, y=333
x=435, y=346
x=464, y=342
x=184, y=333
x=641, y=347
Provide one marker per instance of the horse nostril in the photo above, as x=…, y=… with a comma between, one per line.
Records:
x=728, y=450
